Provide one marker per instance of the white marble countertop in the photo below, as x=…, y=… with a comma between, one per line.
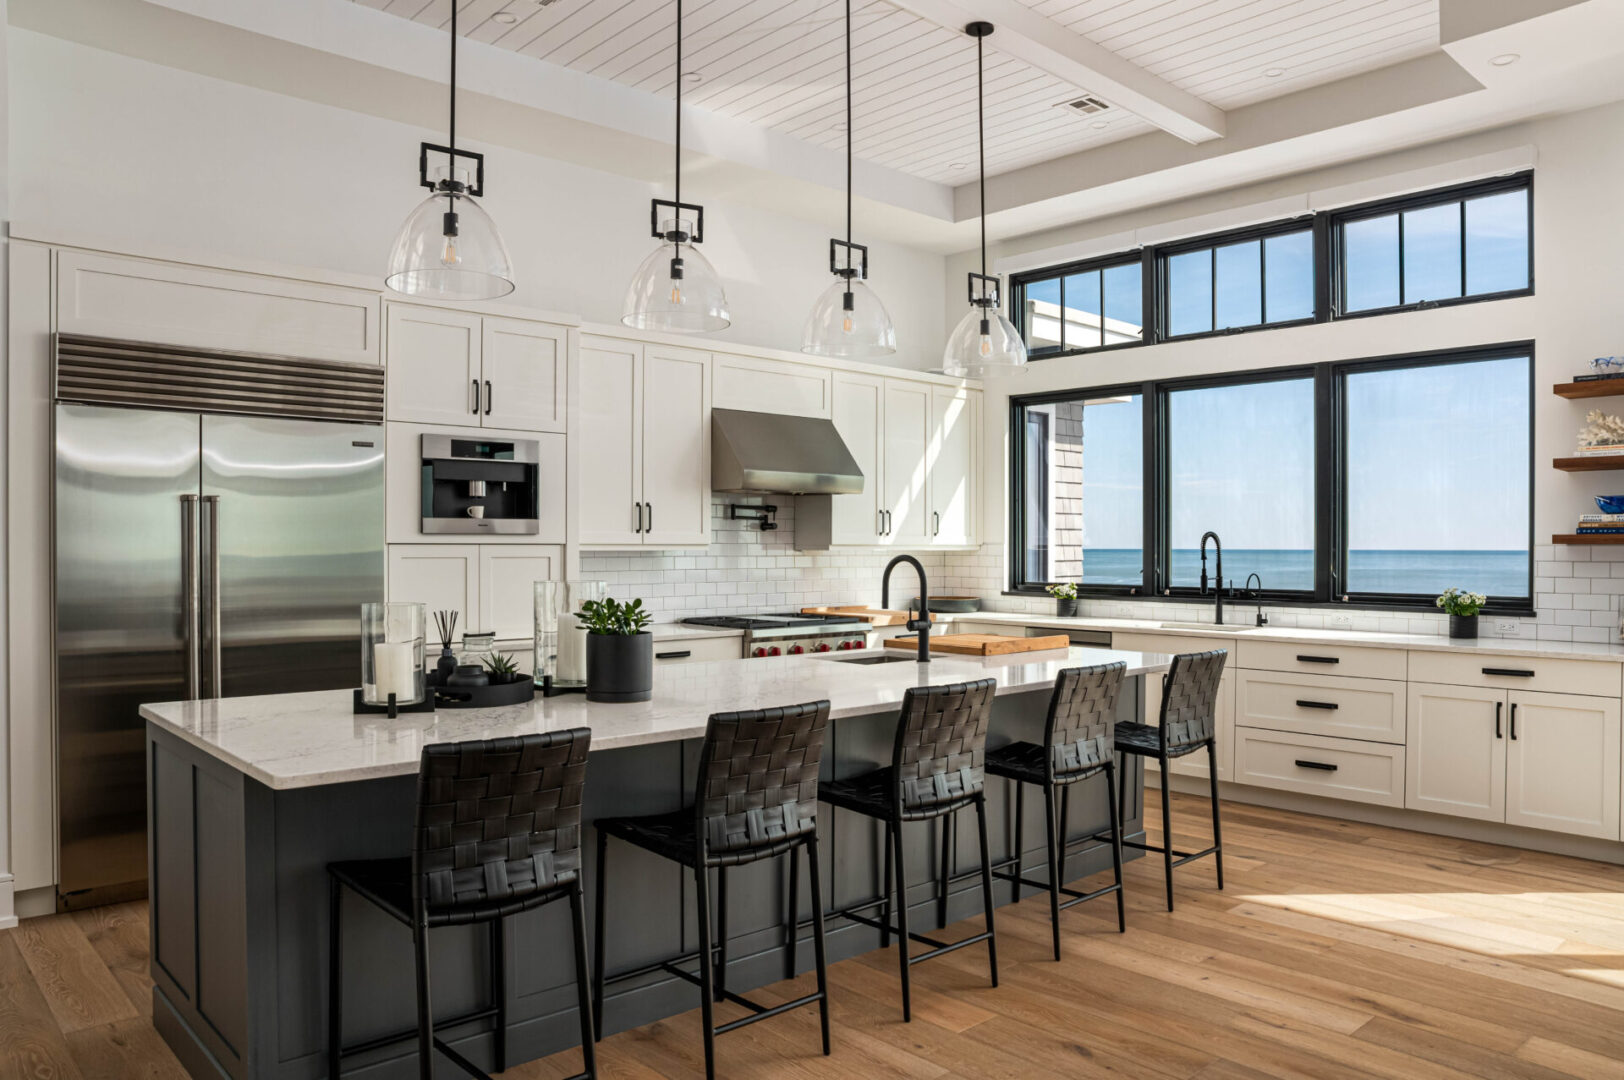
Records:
x=1487, y=646
x=304, y=740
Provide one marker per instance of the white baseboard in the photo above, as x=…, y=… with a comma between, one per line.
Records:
x=8, y=911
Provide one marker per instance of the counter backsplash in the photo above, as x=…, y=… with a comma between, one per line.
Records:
x=1577, y=589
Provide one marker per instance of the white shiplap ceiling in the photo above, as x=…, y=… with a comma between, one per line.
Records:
x=779, y=64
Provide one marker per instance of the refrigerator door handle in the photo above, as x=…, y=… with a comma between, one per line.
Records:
x=189, y=594
x=212, y=502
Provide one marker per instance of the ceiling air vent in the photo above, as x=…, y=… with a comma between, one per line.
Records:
x=1087, y=105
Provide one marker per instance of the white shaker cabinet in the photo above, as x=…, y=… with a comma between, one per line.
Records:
x=1562, y=763
x=442, y=577
x=644, y=445
x=452, y=367
x=507, y=577
x=951, y=465
x=902, y=484
x=490, y=586
x=859, y=417
x=1456, y=751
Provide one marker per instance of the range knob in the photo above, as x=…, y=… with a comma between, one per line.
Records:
x=796, y=650
x=823, y=646
x=844, y=645
x=774, y=651
x=760, y=651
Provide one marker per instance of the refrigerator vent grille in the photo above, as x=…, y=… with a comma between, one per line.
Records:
x=105, y=371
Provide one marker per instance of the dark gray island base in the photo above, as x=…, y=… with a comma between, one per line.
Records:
x=239, y=900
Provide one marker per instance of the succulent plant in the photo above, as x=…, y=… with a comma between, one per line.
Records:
x=501, y=667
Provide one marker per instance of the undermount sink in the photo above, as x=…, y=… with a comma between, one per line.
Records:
x=880, y=658
x=1226, y=628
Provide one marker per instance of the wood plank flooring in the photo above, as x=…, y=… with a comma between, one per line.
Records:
x=1337, y=951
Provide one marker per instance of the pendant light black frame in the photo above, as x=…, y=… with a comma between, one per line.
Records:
x=836, y=245
x=987, y=300
x=677, y=235
x=451, y=185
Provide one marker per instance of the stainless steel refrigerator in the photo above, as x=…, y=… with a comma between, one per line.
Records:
x=197, y=555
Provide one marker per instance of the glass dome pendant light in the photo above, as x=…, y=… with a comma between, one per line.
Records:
x=985, y=344
x=848, y=320
x=449, y=248
x=676, y=288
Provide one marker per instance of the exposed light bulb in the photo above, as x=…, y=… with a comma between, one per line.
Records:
x=676, y=293
x=449, y=256
x=845, y=324
x=986, y=344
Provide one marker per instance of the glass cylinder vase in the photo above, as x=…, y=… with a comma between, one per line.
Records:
x=568, y=649
x=392, y=653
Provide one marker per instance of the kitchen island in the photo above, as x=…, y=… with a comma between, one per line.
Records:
x=250, y=798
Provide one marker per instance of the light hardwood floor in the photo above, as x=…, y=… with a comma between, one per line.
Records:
x=1337, y=951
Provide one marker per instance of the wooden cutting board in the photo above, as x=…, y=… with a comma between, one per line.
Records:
x=875, y=616
x=983, y=644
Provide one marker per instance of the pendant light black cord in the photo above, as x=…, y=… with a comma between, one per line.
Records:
x=679, y=123
x=981, y=141
x=849, y=134
x=453, y=135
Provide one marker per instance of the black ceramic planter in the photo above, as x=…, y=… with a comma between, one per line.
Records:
x=1463, y=626
x=1065, y=609
x=619, y=667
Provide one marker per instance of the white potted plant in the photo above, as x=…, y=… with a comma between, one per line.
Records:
x=1462, y=608
x=1065, y=599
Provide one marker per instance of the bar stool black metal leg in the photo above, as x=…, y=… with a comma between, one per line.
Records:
x=335, y=978
x=499, y=991
x=986, y=886
x=425, y=1011
x=1065, y=816
x=944, y=871
x=721, y=932
x=1052, y=852
x=1116, y=845
x=1217, y=838
x=706, y=968
x=598, y=934
x=818, y=959
x=885, y=888
x=1020, y=842
x=792, y=928
x=894, y=828
x=583, y=999
x=1167, y=827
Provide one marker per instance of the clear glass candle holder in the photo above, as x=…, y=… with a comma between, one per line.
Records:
x=392, y=653
x=560, y=634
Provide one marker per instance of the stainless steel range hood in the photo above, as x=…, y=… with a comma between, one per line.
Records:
x=756, y=453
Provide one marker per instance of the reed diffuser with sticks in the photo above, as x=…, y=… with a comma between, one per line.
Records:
x=445, y=622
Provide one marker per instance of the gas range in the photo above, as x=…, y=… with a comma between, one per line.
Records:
x=791, y=633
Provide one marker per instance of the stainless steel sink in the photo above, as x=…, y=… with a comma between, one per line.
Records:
x=1226, y=628
x=881, y=658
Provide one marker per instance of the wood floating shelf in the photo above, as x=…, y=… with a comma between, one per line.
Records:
x=1591, y=463
x=1588, y=538
x=1590, y=388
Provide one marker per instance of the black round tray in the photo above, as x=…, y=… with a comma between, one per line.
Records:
x=484, y=697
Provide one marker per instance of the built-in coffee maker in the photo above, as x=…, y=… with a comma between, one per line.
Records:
x=477, y=485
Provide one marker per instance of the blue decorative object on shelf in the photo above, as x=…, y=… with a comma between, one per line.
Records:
x=1610, y=504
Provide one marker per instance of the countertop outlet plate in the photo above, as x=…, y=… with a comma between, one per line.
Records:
x=1505, y=626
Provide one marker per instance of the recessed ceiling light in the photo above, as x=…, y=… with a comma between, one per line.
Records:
x=958, y=165
x=1273, y=73
x=1505, y=58
x=693, y=76
x=1100, y=123
x=506, y=18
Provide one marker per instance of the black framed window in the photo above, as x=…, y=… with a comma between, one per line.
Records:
x=1369, y=482
x=1097, y=304
x=1083, y=510
x=1463, y=243
x=1243, y=281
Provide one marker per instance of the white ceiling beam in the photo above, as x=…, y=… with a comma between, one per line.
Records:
x=1046, y=45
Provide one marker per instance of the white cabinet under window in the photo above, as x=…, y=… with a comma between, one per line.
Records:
x=643, y=445
x=490, y=586
x=451, y=367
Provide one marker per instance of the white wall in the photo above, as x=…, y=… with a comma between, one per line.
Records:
x=1575, y=314
x=132, y=154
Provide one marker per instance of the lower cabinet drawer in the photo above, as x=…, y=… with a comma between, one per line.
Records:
x=1315, y=765
x=1370, y=709
x=1598, y=678
x=696, y=650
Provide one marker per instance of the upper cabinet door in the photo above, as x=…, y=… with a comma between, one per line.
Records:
x=953, y=424
x=1562, y=763
x=524, y=375
x=907, y=439
x=434, y=366
x=1455, y=757
x=859, y=416
x=676, y=446
x=610, y=442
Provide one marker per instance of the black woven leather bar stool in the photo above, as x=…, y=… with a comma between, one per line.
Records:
x=935, y=771
x=498, y=832
x=1077, y=744
x=1189, y=721
x=755, y=798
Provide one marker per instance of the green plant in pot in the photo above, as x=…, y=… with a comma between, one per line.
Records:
x=619, y=651
x=1462, y=608
x=502, y=669
x=1065, y=598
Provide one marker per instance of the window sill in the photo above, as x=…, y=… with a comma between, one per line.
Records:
x=1420, y=607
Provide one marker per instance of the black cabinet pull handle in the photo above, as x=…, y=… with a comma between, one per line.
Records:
x=1316, y=705
x=1513, y=721
x=673, y=655
x=650, y=526
x=1320, y=765
x=1318, y=659
x=1499, y=710
x=476, y=397
x=1515, y=673
x=638, y=507
x=879, y=523
x=488, y=396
